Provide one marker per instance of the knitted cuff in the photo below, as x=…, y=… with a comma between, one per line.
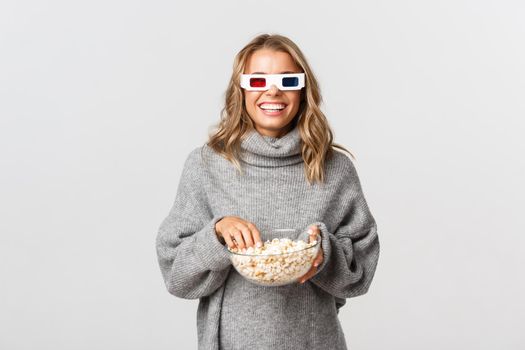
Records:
x=213, y=255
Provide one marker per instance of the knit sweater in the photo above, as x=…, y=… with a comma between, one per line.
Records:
x=273, y=192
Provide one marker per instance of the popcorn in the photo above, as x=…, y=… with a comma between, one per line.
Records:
x=277, y=262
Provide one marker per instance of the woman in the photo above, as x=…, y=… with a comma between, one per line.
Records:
x=271, y=163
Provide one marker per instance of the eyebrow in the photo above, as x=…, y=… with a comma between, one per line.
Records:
x=286, y=72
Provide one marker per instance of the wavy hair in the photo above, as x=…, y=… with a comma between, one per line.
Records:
x=317, y=137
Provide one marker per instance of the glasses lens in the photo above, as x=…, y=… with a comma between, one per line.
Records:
x=290, y=81
x=257, y=82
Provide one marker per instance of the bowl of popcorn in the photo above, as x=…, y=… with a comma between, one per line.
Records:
x=281, y=260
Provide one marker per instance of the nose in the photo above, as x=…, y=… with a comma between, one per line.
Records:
x=273, y=90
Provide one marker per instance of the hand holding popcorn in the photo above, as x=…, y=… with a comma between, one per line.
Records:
x=237, y=232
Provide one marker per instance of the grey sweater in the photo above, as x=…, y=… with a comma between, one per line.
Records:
x=272, y=193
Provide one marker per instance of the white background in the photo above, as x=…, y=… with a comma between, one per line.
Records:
x=101, y=102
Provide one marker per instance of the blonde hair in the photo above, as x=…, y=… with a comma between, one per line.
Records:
x=317, y=137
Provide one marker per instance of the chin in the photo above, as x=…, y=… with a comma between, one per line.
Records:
x=277, y=125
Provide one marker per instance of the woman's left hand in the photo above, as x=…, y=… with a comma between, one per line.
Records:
x=315, y=234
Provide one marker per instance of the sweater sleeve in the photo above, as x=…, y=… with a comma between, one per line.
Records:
x=351, y=252
x=193, y=262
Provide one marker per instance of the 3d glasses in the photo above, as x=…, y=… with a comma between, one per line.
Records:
x=262, y=82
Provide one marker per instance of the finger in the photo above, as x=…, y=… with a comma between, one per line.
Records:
x=313, y=228
x=238, y=238
x=313, y=236
x=313, y=231
x=307, y=275
x=319, y=259
x=303, y=278
x=255, y=234
x=229, y=241
x=247, y=235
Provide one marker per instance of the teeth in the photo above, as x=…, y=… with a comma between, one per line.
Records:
x=272, y=106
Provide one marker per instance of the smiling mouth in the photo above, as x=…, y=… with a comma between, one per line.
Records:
x=272, y=108
x=272, y=112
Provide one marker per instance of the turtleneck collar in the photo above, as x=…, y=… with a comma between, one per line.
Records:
x=267, y=151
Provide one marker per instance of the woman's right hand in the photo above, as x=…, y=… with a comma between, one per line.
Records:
x=238, y=233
